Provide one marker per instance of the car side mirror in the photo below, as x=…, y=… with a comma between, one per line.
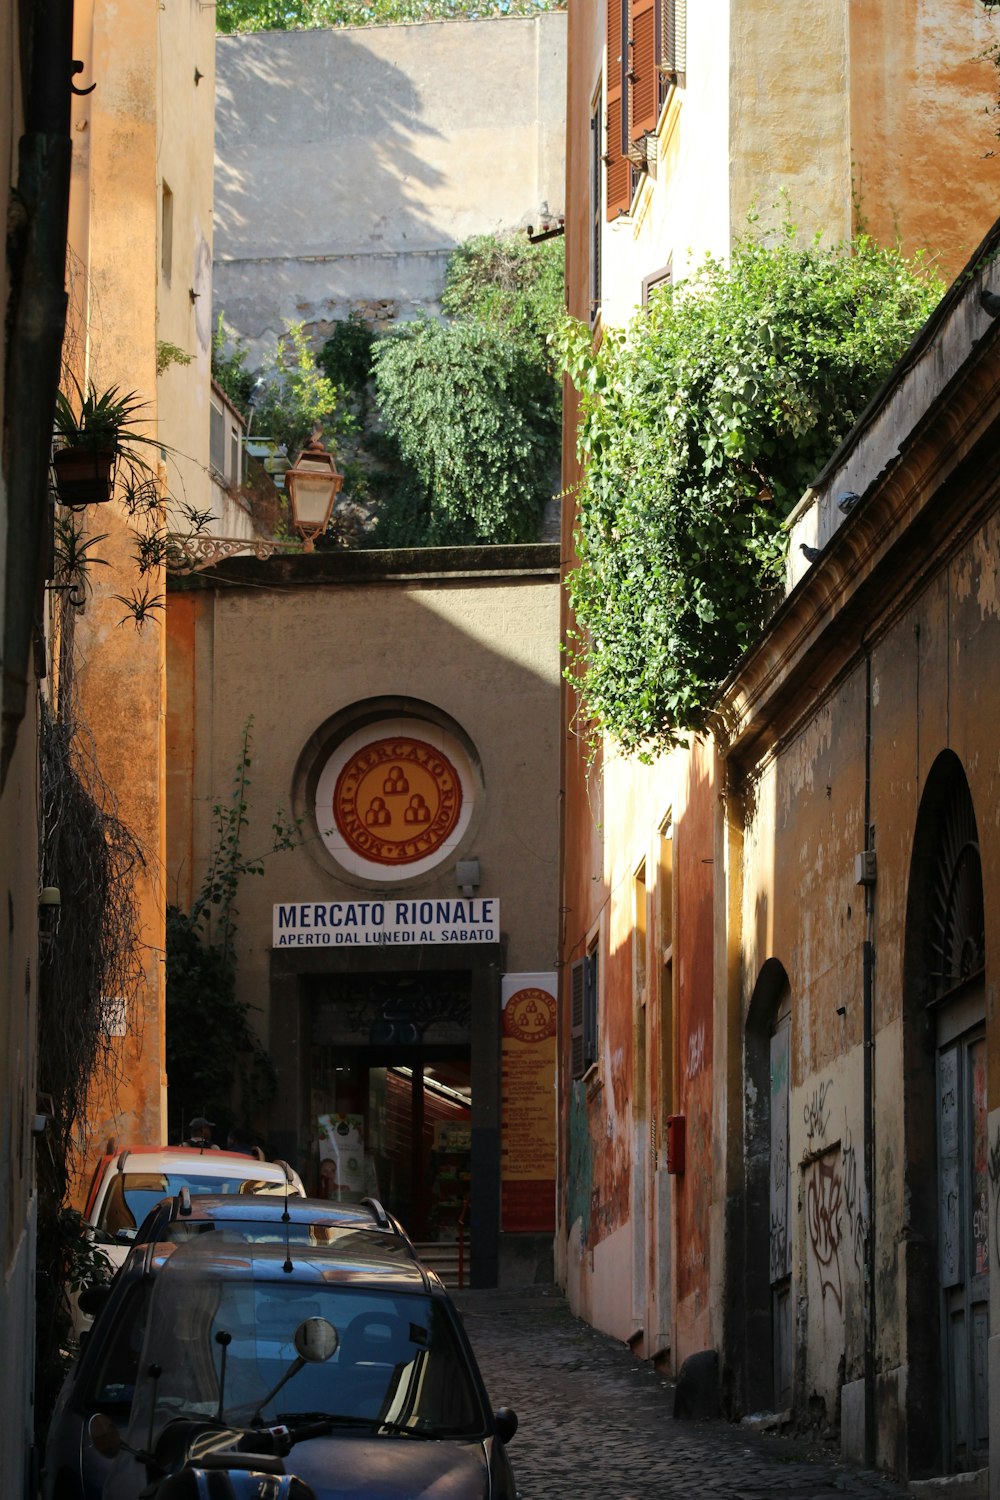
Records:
x=505, y=1421
x=104, y=1435
x=93, y=1298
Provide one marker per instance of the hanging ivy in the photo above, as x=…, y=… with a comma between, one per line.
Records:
x=701, y=427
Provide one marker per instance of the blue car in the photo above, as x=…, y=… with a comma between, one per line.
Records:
x=201, y=1342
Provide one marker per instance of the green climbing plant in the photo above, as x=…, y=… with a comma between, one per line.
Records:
x=216, y=1062
x=701, y=426
x=287, y=15
x=471, y=408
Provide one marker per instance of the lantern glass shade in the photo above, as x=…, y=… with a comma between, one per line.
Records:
x=312, y=483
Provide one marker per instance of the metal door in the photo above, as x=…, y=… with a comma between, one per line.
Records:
x=780, y=1208
x=963, y=1184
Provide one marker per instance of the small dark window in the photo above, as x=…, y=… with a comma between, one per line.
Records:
x=657, y=279
x=583, y=1013
x=166, y=232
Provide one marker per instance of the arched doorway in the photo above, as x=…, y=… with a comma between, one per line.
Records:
x=945, y=1113
x=767, y=1193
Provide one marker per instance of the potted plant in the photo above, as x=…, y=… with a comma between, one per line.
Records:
x=92, y=433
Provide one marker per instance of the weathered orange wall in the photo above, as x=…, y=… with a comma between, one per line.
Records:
x=922, y=132
x=111, y=340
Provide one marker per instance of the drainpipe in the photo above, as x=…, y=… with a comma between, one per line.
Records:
x=868, y=1007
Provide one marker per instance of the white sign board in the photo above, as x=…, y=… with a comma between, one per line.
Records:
x=369, y=924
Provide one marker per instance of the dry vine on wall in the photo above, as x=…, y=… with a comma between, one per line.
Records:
x=91, y=970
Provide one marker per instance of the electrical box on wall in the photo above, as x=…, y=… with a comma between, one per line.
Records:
x=675, y=1144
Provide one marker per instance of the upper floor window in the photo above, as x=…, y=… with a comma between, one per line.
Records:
x=647, y=56
x=584, y=975
x=225, y=448
x=166, y=231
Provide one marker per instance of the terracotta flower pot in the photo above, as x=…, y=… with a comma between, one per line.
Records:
x=84, y=476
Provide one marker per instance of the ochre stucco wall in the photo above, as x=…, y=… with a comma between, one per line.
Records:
x=481, y=649
x=148, y=120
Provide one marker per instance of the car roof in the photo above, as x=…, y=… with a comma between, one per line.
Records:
x=364, y=1258
x=273, y=1209
x=237, y=1163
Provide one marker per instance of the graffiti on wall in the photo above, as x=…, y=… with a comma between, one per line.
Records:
x=816, y=1112
x=696, y=1051
x=994, y=1170
x=824, y=1200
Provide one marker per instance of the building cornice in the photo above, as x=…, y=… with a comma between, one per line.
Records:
x=536, y=560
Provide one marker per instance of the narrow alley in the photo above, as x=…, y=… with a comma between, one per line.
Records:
x=595, y=1421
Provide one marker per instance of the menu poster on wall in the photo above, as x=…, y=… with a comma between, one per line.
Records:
x=528, y=1109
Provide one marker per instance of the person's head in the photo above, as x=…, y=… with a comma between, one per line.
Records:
x=200, y=1129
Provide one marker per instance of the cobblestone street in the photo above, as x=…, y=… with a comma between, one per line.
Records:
x=596, y=1422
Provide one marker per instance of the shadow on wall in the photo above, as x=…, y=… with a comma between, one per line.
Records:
x=317, y=161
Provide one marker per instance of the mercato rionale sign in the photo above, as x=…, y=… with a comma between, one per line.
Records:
x=338, y=924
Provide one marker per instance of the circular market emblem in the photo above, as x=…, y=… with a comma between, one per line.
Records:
x=397, y=800
x=530, y=1016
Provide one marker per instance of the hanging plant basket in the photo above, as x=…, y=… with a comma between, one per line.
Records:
x=84, y=476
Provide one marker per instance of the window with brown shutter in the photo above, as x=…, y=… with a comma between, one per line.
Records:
x=578, y=999
x=583, y=989
x=618, y=168
x=643, y=75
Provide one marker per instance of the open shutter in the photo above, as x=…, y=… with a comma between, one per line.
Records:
x=590, y=1011
x=673, y=38
x=619, y=168
x=643, y=77
x=577, y=987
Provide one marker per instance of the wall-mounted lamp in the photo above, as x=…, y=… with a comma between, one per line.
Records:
x=313, y=483
x=467, y=876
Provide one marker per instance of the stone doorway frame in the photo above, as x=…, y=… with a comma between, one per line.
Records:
x=290, y=1030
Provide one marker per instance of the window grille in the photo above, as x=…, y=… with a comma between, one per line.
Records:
x=957, y=922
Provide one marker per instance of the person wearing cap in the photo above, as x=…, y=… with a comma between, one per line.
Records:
x=200, y=1133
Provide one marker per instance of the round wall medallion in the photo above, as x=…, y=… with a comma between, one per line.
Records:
x=397, y=800
x=394, y=797
x=530, y=1016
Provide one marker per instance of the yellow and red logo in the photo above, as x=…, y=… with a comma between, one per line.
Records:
x=530, y=1016
x=397, y=800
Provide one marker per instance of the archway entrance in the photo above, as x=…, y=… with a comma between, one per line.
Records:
x=946, y=1098
x=769, y=1345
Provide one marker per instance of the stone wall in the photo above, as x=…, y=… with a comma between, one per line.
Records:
x=350, y=163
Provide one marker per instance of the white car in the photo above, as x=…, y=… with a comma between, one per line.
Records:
x=128, y=1183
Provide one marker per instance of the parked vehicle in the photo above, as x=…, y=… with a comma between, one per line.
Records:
x=127, y=1184
x=103, y=1378
x=395, y=1407
x=260, y=1219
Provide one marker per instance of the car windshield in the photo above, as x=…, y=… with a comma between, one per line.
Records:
x=398, y=1366
x=131, y=1195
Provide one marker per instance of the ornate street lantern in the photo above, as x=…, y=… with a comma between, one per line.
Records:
x=313, y=483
